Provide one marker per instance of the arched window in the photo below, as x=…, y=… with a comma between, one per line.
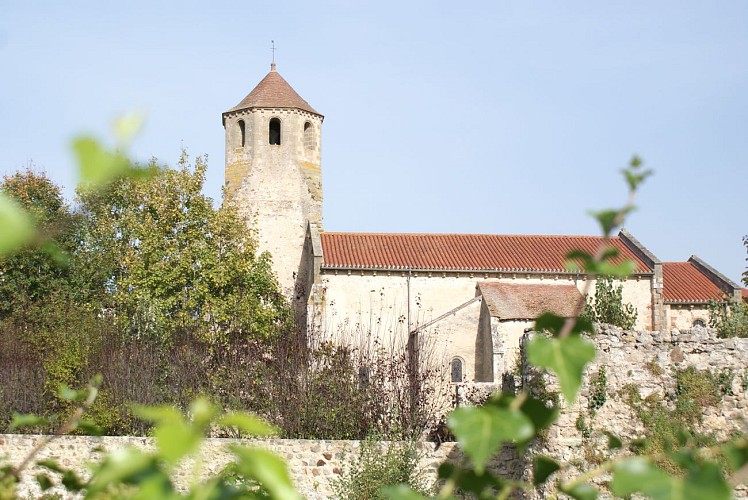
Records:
x=308, y=135
x=242, y=133
x=456, y=369
x=274, y=134
x=700, y=323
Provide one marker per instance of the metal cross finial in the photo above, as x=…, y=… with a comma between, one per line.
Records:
x=273, y=49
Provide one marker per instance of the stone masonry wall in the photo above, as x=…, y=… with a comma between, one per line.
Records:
x=647, y=361
x=313, y=465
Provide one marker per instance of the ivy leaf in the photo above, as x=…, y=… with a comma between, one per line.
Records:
x=614, y=442
x=469, y=481
x=543, y=467
x=582, y=491
x=552, y=323
x=50, y=464
x=401, y=491
x=638, y=474
x=736, y=454
x=565, y=357
x=44, y=482
x=126, y=466
x=541, y=416
x=482, y=430
x=97, y=166
x=72, y=481
x=26, y=420
x=266, y=468
x=247, y=423
x=610, y=219
x=16, y=225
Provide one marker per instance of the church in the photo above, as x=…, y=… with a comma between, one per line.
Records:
x=470, y=296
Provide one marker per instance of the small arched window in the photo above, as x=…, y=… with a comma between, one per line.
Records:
x=274, y=132
x=308, y=135
x=456, y=370
x=700, y=323
x=242, y=133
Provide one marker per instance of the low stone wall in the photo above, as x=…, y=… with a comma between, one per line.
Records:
x=313, y=465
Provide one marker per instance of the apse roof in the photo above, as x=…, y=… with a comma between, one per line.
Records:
x=462, y=252
x=273, y=92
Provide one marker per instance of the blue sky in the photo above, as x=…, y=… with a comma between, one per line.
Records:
x=498, y=117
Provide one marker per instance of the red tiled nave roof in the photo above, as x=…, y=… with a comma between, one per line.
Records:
x=461, y=252
x=683, y=282
x=273, y=92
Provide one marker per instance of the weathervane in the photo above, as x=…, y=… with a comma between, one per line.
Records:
x=273, y=49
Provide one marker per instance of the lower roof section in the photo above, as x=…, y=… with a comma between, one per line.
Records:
x=509, y=301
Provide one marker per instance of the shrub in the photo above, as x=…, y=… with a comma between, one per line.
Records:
x=378, y=465
x=607, y=306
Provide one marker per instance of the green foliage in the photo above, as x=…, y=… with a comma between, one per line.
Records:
x=607, y=306
x=380, y=465
x=668, y=429
x=598, y=390
x=730, y=319
x=155, y=250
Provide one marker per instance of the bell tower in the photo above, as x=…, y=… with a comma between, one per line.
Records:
x=273, y=170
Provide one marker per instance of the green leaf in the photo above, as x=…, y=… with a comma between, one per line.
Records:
x=582, y=491
x=97, y=166
x=469, y=481
x=401, y=491
x=552, y=323
x=247, y=423
x=26, y=420
x=127, y=127
x=50, y=464
x=68, y=394
x=639, y=474
x=129, y=466
x=610, y=219
x=565, y=357
x=614, y=442
x=90, y=428
x=541, y=416
x=44, y=482
x=16, y=225
x=736, y=454
x=266, y=468
x=543, y=467
x=176, y=440
x=72, y=481
x=202, y=412
x=482, y=430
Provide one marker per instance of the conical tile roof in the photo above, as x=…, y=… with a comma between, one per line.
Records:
x=273, y=92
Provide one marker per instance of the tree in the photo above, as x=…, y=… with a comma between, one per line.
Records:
x=40, y=269
x=607, y=306
x=157, y=255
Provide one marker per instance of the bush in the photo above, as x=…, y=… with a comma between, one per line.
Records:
x=607, y=306
x=379, y=465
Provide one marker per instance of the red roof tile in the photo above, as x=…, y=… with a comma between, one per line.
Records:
x=273, y=92
x=520, y=301
x=683, y=282
x=461, y=252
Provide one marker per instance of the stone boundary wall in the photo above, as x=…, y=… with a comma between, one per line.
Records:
x=647, y=360
x=313, y=464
